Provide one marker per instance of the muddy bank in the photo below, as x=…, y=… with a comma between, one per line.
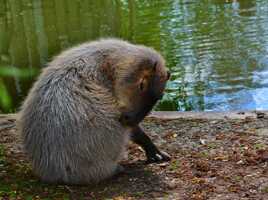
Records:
x=214, y=156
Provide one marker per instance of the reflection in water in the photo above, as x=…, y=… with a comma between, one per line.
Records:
x=216, y=50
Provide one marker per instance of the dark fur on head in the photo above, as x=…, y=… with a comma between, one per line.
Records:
x=149, y=89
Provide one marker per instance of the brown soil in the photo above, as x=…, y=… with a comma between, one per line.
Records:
x=218, y=158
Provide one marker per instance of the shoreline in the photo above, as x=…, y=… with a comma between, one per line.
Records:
x=208, y=114
x=189, y=114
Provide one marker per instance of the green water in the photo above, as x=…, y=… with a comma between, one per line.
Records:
x=217, y=50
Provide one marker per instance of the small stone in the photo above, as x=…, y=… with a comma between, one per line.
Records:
x=171, y=185
x=262, y=132
x=202, y=141
x=163, y=164
x=249, y=119
x=240, y=162
x=253, y=191
x=260, y=115
x=210, y=180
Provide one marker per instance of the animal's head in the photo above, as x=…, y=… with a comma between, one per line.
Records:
x=140, y=84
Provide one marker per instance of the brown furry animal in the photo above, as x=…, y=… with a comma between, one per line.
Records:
x=84, y=107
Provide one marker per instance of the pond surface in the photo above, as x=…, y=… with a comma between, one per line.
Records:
x=217, y=50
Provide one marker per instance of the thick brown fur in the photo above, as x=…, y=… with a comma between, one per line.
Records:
x=76, y=119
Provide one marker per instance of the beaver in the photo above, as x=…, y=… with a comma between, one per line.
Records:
x=86, y=105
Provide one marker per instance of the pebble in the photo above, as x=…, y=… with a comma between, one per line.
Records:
x=240, y=162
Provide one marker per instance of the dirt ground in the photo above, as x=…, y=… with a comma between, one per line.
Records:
x=212, y=158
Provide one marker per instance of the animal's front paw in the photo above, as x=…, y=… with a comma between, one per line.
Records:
x=158, y=157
